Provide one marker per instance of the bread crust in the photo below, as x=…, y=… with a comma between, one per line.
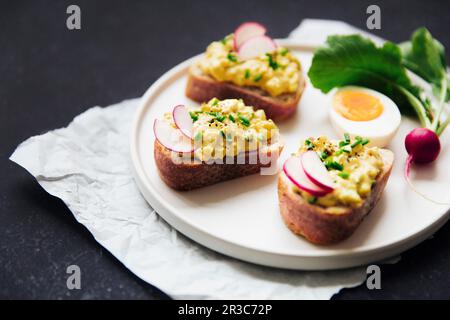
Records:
x=321, y=225
x=202, y=88
x=190, y=175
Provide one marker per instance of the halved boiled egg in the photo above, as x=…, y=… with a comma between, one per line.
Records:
x=364, y=112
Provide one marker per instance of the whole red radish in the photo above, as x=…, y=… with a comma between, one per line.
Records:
x=423, y=145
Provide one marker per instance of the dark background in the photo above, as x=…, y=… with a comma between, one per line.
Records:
x=49, y=74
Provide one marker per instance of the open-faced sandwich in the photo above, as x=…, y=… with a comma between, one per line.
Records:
x=217, y=141
x=249, y=65
x=328, y=187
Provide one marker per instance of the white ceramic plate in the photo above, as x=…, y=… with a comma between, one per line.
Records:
x=240, y=218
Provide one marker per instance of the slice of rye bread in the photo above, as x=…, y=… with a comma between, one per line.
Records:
x=202, y=88
x=190, y=175
x=322, y=225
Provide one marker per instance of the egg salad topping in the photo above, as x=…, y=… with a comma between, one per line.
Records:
x=277, y=72
x=227, y=128
x=353, y=166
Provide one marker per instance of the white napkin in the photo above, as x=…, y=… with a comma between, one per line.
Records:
x=87, y=165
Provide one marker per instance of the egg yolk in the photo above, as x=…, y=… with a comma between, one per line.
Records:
x=357, y=106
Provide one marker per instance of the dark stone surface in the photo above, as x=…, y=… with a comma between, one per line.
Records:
x=48, y=75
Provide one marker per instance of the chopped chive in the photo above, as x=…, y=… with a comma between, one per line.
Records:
x=231, y=57
x=193, y=115
x=272, y=63
x=217, y=116
x=309, y=144
x=224, y=40
x=232, y=119
x=331, y=164
x=343, y=143
x=365, y=141
x=247, y=74
x=341, y=151
x=347, y=137
x=223, y=134
x=323, y=155
x=244, y=120
x=284, y=51
x=214, y=102
x=344, y=175
x=312, y=200
x=257, y=78
x=358, y=141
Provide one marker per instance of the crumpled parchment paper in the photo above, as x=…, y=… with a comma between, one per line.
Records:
x=87, y=165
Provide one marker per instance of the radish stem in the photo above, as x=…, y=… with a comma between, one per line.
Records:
x=418, y=107
x=442, y=126
x=435, y=124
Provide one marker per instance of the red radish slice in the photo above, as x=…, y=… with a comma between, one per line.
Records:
x=316, y=170
x=183, y=120
x=294, y=171
x=256, y=46
x=171, y=138
x=246, y=31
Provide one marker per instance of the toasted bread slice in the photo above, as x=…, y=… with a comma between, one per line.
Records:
x=190, y=175
x=330, y=225
x=201, y=87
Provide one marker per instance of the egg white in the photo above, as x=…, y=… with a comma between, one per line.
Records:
x=380, y=131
